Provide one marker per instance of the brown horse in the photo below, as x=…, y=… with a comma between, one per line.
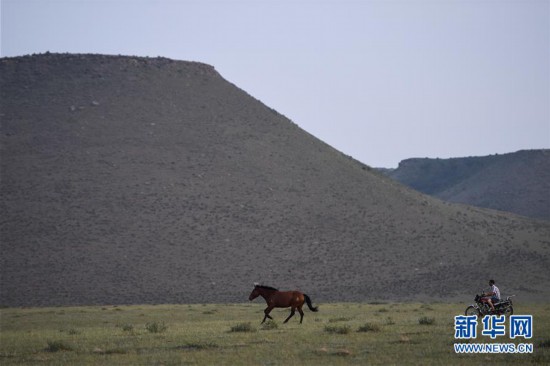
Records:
x=281, y=299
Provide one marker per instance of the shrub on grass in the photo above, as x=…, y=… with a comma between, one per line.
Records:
x=243, y=327
x=56, y=346
x=127, y=327
x=116, y=351
x=369, y=327
x=71, y=331
x=197, y=346
x=338, y=329
x=156, y=327
x=341, y=319
x=110, y=351
x=270, y=325
x=342, y=352
x=426, y=321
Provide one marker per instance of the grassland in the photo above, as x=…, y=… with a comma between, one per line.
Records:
x=214, y=334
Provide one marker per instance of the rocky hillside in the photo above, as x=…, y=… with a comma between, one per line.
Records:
x=148, y=180
x=517, y=182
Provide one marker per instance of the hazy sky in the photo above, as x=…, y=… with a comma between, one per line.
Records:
x=378, y=80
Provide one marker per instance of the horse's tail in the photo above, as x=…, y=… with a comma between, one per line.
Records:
x=309, y=305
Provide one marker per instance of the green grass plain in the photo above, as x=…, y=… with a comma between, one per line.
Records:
x=216, y=334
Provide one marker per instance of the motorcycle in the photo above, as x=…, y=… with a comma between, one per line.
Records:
x=481, y=308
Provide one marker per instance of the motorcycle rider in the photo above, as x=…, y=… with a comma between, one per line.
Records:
x=493, y=296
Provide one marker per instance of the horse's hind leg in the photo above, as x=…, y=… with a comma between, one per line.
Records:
x=291, y=314
x=301, y=315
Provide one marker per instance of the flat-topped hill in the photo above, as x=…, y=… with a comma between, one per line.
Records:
x=148, y=180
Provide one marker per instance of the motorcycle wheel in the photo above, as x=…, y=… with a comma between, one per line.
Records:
x=509, y=311
x=470, y=310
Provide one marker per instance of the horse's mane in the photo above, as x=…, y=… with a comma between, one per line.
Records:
x=267, y=287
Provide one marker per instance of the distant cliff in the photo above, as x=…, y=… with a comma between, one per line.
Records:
x=517, y=182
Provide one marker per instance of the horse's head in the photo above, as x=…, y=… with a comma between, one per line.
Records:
x=255, y=293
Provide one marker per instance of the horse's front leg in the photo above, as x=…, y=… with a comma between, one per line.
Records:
x=292, y=312
x=266, y=312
